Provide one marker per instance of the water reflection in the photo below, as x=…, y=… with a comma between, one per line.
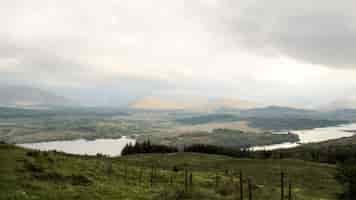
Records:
x=110, y=147
x=313, y=135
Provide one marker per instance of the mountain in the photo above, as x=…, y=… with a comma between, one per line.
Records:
x=24, y=96
x=344, y=103
x=277, y=111
x=158, y=103
x=155, y=103
x=288, y=112
x=225, y=103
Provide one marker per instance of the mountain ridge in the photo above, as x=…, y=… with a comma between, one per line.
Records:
x=26, y=96
x=158, y=103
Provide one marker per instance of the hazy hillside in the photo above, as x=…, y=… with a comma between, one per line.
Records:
x=277, y=111
x=229, y=103
x=155, y=103
x=24, y=96
x=158, y=103
x=276, y=118
x=344, y=103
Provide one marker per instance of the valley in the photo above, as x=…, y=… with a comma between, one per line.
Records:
x=163, y=127
x=177, y=100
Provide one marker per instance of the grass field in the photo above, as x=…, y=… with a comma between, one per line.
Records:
x=26, y=174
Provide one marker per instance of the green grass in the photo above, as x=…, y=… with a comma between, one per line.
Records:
x=26, y=174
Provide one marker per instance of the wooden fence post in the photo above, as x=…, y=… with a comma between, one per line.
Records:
x=249, y=189
x=216, y=181
x=186, y=180
x=241, y=186
x=290, y=191
x=191, y=179
x=151, y=176
x=282, y=185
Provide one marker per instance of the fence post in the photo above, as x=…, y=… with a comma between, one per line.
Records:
x=191, y=179
x=151, y=176
x=290, y=191
x=249, y=189
x=282, y=185
x=241, y=186
x=185, y=180
x=216, y=181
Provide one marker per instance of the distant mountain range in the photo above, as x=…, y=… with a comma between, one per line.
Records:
x=157, y=103
x=344, y=103
x=287, y=112
x=277, y=111
x=220, y=109
x=24, y=96
x=229, y=104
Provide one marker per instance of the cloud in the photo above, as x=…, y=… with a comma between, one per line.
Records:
x=317, y=32
x=246, y=48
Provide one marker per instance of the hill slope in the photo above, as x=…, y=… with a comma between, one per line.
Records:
x=33, y=175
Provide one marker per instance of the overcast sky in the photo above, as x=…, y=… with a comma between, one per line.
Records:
x=300, y=53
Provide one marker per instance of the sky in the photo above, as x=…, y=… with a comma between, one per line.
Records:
x=298, y=53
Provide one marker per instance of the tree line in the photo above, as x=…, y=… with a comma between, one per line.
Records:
x=328, y=154
x=147, y=147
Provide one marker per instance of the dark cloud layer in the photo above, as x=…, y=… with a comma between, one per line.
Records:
x=35, y=59
x=212, y=47
x=318, y=32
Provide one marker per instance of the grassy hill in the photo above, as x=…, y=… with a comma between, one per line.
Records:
x=29, y=174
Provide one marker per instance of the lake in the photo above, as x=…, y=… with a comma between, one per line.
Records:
x=313, y=135
x=110, y=147
x=113, y=147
